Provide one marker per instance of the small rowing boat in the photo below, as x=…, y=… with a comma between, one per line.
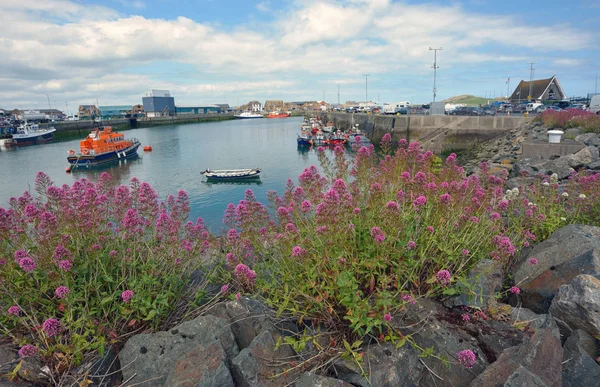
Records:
x=231, y=174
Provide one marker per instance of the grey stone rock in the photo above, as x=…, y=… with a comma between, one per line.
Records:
x=589, y=139
x=595, y=154
x=534, y=363
x=579, y=368
x=205, y=365
x=103, y=371
x=595, y=166
x=33, y=370
x=387, y=367
x=524, y=316
x=589, y=344
x=581, y=158
x=150, y=357
x=249, y=318
x=523, y=168
x=567, y=253
x=573, y=132
x=9, y=358
x=561, y=166
x=308, y=379
x=485, y=280
x=578, y=304
x=256, y=365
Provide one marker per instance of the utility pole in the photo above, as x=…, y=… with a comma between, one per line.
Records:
x=366, y=87
x=531, y=71
x=338, y=94
x=67, y=106
x=435, y=67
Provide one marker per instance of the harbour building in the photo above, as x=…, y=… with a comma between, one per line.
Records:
x=159, y=103
x=108, y=112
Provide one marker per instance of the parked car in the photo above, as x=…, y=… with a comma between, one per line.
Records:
x=562, y=104
x=487, y=111
x=465, y=111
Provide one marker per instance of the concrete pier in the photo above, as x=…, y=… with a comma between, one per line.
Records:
x=435, y=133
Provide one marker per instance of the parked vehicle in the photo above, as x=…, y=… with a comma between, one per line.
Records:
x=562, y=104
x=466, y=111
x=532, y=106
x=396, y=107
x=595, y=104
x=488, y=111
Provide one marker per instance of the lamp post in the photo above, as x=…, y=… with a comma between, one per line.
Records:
x=435, y=67
x=366, y=87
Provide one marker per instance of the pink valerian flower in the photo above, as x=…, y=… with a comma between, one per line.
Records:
x=297, y=251
x=14, y=310
x=291, y=228
x=95, y=246
x=19, y=254
x=387, y=317
x=443, y=277
x=481, y=315
x=52, y=327
x=411, y=245
x=503, y=205
x=375, y=231
x=232, y=235
x=112, y=253
x=224, y=289
x=321, y=229
x=62, y=291
x=466, y=252
x=408, y=298
x=419, y=202
x=65, y=265
x=532, y=261
x=466, y=318
x=28, y=350
x=356, y=211
x=495, y=215
x=515, y=290
x=474, y=219
x=430, y=229
x=379, y=238
x=392, y=205
x=306, y=206
x=467, y=358
x=238, y=296
x=27, y=264
x=127, y=295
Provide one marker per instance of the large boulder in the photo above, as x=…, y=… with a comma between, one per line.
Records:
x=578, y=304
x=568, y=252
x=579, y=367
x=537, y=362
x=206, y=365
x=148, y=359
x=485, y=280
x=249, y=318
x=387, y=366
x=592, y=139
x=309, y=379
x=262, y=365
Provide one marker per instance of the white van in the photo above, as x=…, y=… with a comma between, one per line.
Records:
x=532, y=106
x=595, y=104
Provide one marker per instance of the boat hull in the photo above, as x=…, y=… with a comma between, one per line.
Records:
x=30, y=140
x=249, y=117
x=104, y=158
x=278, y=116
x=232, y=175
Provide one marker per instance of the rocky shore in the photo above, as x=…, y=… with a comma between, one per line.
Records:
x=544, y=335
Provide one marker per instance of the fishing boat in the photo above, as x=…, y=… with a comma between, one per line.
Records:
x=30, y=134
x=248, y=114
x=278, y=114
x=337, y=138
x=102, y=146
x=231, y=174
x=320, y=139
x=329, y=128
x=304, y=139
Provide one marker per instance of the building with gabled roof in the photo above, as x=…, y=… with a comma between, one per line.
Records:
x=541, y=90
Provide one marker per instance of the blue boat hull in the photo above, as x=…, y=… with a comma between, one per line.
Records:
x=42, y=138
x=94, y=160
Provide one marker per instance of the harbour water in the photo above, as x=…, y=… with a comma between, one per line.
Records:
x=179, y=154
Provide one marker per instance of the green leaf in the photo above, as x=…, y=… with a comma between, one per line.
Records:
x=151, y=315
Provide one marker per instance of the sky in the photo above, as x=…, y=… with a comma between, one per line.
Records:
x=63, y=53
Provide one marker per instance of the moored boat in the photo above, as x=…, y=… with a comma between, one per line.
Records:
x=337, y=138
x=30, y=134
x=278, y=114
x=248, y=114
x=304, y=139
x=231, y=174
x=101, y=146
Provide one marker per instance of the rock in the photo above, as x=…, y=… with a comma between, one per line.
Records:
x=595, y=166
x=568, y=252
x=537, y=362
x=573, y=132
x=485, y=280
x=249, y=318
x=589, y=344
x=308, y=379
x=517, y=182
x=589, y=139
x=205, y=365
x=33, y=370
x=151, y=357
x=8, y=360
x=578, y=304
x=579, y=368
x=103, y=371
x=386, y=365
x=522, y=168
x=526, y=318
x=561, y=166
x=256, y=365
x=595, y=154
x=581, y=158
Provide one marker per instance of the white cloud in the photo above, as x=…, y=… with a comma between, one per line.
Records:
x=81, y=51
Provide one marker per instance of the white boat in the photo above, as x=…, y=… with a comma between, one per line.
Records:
x=30, y=134
x=231, y=174
x=248, y=115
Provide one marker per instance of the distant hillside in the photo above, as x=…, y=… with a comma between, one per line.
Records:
x=471, y=100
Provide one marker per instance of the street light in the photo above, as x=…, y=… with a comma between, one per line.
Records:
x=435, y=67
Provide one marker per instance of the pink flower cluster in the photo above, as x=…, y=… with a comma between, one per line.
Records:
x=62, y=291
x=28, y=350
x=467, y=358
x=244, y=274
x=14, y=310
x=52, y=327
x=298, y=251
x=127, y=295
x=443, y=277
